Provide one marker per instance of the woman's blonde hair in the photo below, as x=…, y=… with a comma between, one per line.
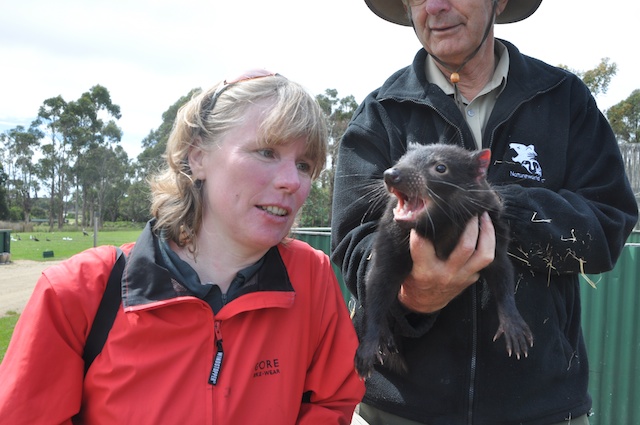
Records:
x=177, y=199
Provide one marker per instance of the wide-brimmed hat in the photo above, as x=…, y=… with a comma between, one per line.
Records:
x=393, y=11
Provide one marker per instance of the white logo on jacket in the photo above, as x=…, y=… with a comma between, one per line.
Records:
x=527, y=157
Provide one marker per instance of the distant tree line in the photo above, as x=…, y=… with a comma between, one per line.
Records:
x=69, y=162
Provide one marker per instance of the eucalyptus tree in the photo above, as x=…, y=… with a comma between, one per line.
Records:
x=154, y=145
x=338, y=112
x=624, y=118
x=54, y=125
x=71, y=130
x=597, y=79
x=106, y=172
x=4, y=208
x=92, y=116
x=137, y=200
x=135, y=206
x=19, y=145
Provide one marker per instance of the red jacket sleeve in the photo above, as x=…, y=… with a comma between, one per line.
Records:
x=332, y=383
x=43, y=370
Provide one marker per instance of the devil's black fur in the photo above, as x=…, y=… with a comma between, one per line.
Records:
x=434, y=189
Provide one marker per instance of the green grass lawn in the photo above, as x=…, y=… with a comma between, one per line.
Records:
x=7, y=323
x=63, y=245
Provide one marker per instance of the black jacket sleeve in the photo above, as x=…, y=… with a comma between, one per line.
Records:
x=578, y=221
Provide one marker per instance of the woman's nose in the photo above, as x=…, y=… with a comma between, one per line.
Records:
x=288, y=177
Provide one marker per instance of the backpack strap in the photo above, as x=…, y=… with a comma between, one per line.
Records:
x=107, y=311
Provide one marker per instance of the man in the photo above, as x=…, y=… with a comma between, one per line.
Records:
x=556, y=166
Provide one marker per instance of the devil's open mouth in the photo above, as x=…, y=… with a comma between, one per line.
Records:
x=408, y=208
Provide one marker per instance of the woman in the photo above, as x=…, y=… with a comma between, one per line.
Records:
x=225, y=320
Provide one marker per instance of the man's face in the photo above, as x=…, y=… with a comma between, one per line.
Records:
x=453, y=29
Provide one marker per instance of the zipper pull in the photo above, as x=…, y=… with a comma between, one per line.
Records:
x=217, y=361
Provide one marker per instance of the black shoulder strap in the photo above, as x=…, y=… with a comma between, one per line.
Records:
x=106, y=314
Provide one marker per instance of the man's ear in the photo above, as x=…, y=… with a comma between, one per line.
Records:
x=501, y=5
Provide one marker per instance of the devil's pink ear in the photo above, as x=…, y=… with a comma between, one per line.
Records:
x=484, y=159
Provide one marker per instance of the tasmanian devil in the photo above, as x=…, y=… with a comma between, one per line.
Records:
x=434, y=189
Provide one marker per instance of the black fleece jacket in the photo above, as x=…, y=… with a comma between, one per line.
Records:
x=557, y=167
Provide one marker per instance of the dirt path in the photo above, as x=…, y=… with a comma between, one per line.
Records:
x=17, y=280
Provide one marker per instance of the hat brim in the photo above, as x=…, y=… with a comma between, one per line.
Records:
x=393, y=11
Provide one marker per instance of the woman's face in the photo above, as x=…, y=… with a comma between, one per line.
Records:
x=252, y=192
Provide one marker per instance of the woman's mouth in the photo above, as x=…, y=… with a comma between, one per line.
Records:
x=274, y=210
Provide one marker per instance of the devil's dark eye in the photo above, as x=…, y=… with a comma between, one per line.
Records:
x=441, y=168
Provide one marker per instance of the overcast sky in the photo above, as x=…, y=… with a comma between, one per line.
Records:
x=149, y=53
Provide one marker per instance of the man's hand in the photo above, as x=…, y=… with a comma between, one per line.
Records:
x=433, y=282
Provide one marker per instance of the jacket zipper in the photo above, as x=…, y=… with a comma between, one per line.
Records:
x=474, y=351
x=474, y=331
x=217, y=360
x=432, y=107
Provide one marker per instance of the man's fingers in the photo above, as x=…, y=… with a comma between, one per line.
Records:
x=476, y=249
x=486, y=247
x=468, y=242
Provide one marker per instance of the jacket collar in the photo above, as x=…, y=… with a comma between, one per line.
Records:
x=526, y=76
x=146, y=281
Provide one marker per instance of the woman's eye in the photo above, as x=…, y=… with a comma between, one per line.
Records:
x=267, y=153
x=304, y=167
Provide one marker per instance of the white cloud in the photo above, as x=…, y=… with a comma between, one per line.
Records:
x=150, y=53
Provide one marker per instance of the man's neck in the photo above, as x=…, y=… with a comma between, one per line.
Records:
x=476, y=73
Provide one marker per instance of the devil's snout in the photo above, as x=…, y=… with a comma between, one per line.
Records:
x=392, y=176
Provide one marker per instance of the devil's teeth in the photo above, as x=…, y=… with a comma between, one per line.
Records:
x=275, y=210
